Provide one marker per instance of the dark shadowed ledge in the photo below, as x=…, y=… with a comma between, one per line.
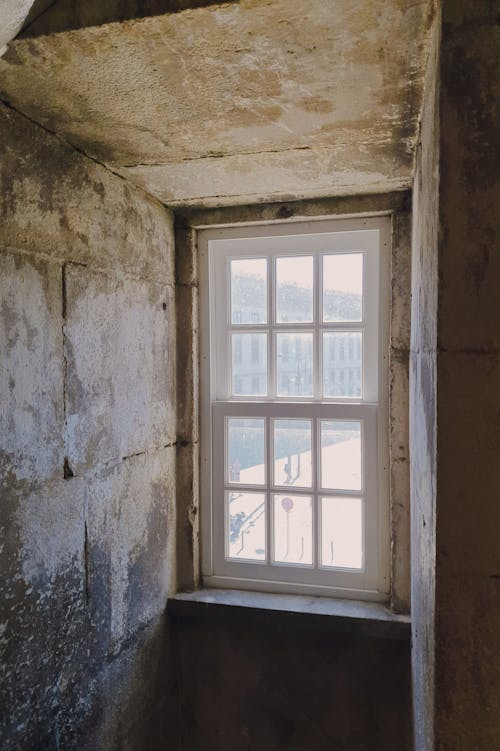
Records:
x=367, y=619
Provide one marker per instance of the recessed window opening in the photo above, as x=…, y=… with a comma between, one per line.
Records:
x=294, y=324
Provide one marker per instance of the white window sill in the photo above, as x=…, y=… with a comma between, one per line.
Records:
x=364, y=618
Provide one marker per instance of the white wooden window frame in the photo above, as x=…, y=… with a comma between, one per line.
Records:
x=217, y=247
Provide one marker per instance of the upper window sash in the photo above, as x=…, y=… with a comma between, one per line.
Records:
x=317, y=245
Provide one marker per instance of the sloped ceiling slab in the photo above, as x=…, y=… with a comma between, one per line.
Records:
x=249, y=100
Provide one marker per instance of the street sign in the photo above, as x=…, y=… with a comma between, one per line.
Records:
x=287, y=504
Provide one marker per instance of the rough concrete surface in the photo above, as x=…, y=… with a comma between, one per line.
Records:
x=13, y=15
x=87, y=463
x=188, y=410
x=119, y=393
x=130, y=517
x=271, y=681
x=41, y=208
x=233, y=102
x=31, y=372
x=467, y=662
x=425, y=230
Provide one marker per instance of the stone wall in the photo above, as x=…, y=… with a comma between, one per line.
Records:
x=87, y=450
x=467, y=662
x=455, y=373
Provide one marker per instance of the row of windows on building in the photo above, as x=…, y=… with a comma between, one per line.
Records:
x=341, y=382
x=339, y=349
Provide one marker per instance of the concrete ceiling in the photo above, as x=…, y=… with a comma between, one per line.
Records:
x=234, y=102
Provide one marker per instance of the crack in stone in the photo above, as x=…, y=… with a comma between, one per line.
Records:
x=80, y=151
x=67, y=471
x=86, y=563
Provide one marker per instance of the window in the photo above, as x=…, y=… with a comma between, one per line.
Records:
x=294, y=340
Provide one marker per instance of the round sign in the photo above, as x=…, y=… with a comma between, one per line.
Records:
x=287, y=504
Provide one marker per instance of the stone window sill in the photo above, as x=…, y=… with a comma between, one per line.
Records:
x=366, y=619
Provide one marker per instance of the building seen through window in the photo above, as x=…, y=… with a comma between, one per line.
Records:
x=342, y=360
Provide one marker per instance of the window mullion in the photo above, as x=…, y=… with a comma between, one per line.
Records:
x=271, y=334
x=269, y=475
x=315, y=486
x=318, y=344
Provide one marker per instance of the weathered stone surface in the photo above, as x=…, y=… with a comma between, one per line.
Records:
x=41, y=610
x=279, y=99
x=87, y=561
x=62, y=15
x=425, y=230
x=399, y=459
x=131, y=533
x=423, y=543
x=401, y=281
x=467, y=666
x=399, y=482
x=455, y=409
x=188, y=516
x=31, y=367
x=470, y=107
x=120, y=361
x=135, y=696
x=467, y=663
x=468, y=480
x=56, y=202
x=270, y=681
x=58, y=505
x=269, y=175
x=186, y=254
x=295, y=210
x=188, y=377
x=14, y=13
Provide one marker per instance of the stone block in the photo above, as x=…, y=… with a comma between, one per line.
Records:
x=67, y=206
x=186, y=255
x=50, y=521
x=43, y=648
x=188, y=515
x=470, y=222
x=468, y=449
x=401, y=281
x=131, y=542
x=399, y=478
x=120, y=354
x=188, y=385
x=31, y=368
x=467, y=663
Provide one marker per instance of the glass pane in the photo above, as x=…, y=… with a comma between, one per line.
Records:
x=342, y=363
x=292, y=453
x=343, y=287
x=292, y=529
x=294, y=374
x=294, y=289
x=246, y=530
x=249, y=358
x=246, y=451
x=341, y=455
x=341, y=532
x=249, y=290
